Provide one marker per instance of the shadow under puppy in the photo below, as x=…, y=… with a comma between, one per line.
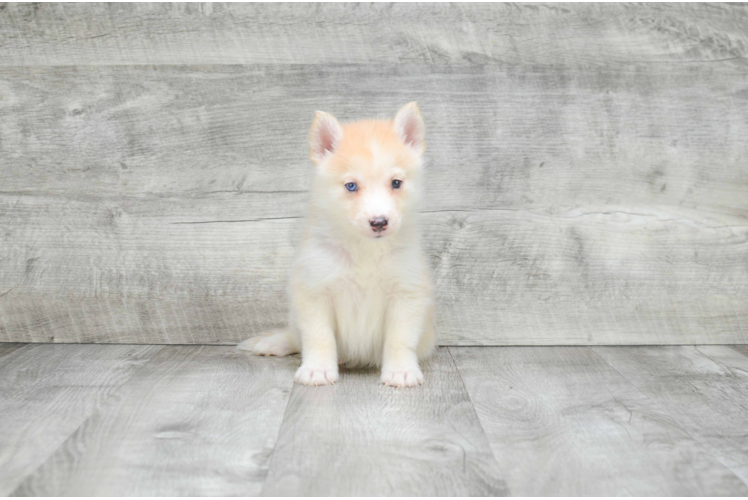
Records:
x=360, y=289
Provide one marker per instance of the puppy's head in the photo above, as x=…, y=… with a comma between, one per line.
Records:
x=368, y=172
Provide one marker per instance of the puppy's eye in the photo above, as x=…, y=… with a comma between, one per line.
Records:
x=396, y=184
x=351, y=186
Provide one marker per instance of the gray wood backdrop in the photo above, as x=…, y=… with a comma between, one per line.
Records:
x=587, y=164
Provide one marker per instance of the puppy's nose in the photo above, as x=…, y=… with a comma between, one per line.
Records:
x=378, y=224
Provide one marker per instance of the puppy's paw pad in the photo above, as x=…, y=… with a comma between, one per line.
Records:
x=311, y=375
x=407, y=377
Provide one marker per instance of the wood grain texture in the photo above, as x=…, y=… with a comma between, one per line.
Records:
x=562, y=422
x=743, y=349
x=499, y=33
x=596, y=205
x=359, y=438
x=7, y=348
x=195, y=421
x=704, y=388
x=48, y=391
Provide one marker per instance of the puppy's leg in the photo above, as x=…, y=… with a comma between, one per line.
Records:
x=406, y=319
x=319, y=355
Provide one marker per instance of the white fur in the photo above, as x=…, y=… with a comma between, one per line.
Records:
x=358, y=297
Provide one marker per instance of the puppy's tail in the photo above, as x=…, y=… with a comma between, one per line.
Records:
x=273, y=343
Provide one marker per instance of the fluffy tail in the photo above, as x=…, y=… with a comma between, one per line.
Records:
x=272, y=343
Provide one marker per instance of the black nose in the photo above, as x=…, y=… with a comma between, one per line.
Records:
x=378, y=224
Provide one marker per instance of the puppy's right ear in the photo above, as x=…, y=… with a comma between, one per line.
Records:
x=324, y=137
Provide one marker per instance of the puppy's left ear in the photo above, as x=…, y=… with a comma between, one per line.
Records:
x=410, y=128
x=324, y=137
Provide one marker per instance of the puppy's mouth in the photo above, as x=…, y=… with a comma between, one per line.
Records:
x=379, y=235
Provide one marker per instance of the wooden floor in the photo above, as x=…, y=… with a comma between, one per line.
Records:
x=209, y=420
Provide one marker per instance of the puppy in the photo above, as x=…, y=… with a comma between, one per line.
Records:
x=360, y=290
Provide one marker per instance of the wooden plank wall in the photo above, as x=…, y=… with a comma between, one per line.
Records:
x=587, y=164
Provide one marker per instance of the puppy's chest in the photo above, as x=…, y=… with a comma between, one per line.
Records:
x=360, y=301
x=360, y=295
x=362, y=283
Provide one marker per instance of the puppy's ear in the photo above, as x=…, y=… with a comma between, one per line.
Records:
x=409, y=126
x=324, y=137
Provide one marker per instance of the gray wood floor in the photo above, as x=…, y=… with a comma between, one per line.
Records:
x=209, y=420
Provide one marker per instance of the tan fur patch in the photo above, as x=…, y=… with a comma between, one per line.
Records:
x=356, y=146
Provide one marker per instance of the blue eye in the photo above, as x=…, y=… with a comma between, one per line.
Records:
x=396, y=184
x=351, y=186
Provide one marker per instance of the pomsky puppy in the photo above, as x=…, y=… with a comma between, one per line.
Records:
x=360, y=290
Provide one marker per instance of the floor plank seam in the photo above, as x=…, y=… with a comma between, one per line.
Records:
x=280, y=428
x=702, y=445
x=736, y=348
x=20, y=348
x=475, y=410
x=721, y=365
x=83, y=422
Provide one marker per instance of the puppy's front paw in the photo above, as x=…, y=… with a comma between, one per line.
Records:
x=402, y=377
x=316, y=375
